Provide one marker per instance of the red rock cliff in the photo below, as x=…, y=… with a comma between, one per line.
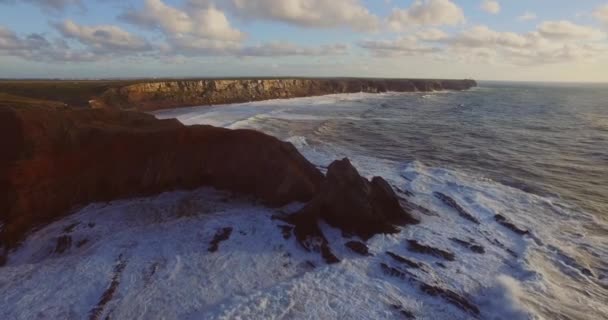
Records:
x=52, y=160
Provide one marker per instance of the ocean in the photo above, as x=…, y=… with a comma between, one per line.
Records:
x=534, y=153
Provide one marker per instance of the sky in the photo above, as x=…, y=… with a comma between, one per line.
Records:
x=522, y=40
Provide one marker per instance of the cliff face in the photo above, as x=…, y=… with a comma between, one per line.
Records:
x=172, y=94
x=54, y=159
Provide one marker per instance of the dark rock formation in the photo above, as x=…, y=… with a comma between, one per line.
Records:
x=425, y=249
x=509, y=225
x=469, y=245
x=404, y=312
x=433, y=290
x=452, y=203
x=54, y=159
x=408, y=262
x=63, y=244
x=221, y=235
x=171, y=94
x=358, y=247
x=353, y=204
x=451, y=297
x=286, y=231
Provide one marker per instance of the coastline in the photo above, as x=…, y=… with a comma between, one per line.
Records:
x=156, y=94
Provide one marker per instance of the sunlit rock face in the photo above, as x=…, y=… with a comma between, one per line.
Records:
x=172, y=94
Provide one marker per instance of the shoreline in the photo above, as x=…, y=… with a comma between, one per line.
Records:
x=156, y=94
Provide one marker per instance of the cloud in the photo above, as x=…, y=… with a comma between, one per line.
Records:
x=490, y=6
x=289, y=49
x=103, y=38
x=407, y=46
x=564, y=30
x=426, y=13
x=527, y=16
x=601, y=14
x=53, y=5
x=549, y=44
x=431, y=35
x=196, y=21
x=35, y=47
x=308, y=13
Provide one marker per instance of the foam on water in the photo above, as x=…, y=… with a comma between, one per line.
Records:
x=558, y=271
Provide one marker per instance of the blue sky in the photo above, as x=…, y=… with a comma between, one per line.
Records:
x=543, y=40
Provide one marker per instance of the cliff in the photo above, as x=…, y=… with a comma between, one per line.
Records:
x=53, y=159
x=149, y=96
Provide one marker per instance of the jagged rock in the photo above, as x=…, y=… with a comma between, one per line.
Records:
x=63, y=244
x=469, y=245
x=404, y=312
x=400, y=259
x=425, y=249
x=452, y=203
x=221, y=235
x=358, y=247
x=450, y=296
x=353, y=204
x=286, y=231
x=509, y=225
x=52, y=160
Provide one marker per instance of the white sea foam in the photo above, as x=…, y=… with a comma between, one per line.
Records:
x=257, y=274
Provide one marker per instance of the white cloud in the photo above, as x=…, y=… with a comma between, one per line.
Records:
x=550, y=44
x=527, y=16
x=407, y=46
x=308, y=13
x=205, y=22
x=431, y=35
x=289, y=49
x=601, y=14
x=567, y=30
x=54, y=5
x=35, y=47
x=490, y=6
x=103, y=37
x=427, y=13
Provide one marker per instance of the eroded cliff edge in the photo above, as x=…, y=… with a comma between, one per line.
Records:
x=55, y=159
x=149, y=96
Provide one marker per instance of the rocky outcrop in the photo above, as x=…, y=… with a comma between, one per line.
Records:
x=157, y=95
x=54, y=159
x=351, y=203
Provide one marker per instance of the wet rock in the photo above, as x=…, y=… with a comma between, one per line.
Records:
x=404, y=312
x=416, y=246
x=393, y=272
x=221, y=235
x=469, y=245
x=441, y=265
x=400, y=259
x=108, y=294
x=81, y=243
x=451, y=297
x=355, y=205
x=63, y=244
x=453, y=204
x=71, y=227
x=118, y=154
x=499, y=244
x=286, y=231
x=2, y=260
x=358, y=247
x=509, y=225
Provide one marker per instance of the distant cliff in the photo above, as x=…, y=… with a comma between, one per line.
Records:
x=149, y=96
